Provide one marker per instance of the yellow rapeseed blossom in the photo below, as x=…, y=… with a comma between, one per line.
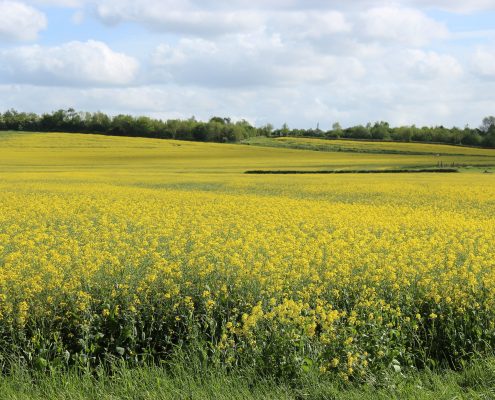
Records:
x=164, y=243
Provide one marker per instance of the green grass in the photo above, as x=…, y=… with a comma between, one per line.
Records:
x=354, y=171
x=176, y=383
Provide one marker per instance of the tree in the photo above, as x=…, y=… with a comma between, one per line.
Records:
x=266, y=130
x=97, y=122
x=336, y=130
x=489, y=139
x=358, y=132
x=220, y=120
x=144, y=126
x=285, y=129
x=471, y=137
x=122, y=125
x=380, y=130
x=221, y=129
x=487, y=123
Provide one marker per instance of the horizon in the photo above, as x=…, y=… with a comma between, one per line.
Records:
x=229, y=120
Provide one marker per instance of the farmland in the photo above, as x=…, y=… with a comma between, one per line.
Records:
x=375, y=147
x=142, y=250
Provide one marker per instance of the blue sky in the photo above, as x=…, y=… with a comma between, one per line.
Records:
x=296, y=61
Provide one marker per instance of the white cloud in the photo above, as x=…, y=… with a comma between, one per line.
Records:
x=71, y=64
x=174, y=16
x=484, y=63
x=312, y=21
x=311, y=24
x=419, y=64
x=402, y=25
x=245, y=60
x=19, y=21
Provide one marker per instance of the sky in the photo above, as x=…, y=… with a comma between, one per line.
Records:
x=300, y=62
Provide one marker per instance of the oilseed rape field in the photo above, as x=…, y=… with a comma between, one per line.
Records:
x=137, y=249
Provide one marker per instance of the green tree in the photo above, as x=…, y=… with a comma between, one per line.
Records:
x=489, y=139
x=284, y=131
x=336, y=130
x=380, y=130
x=487, y=123
x=266, y=130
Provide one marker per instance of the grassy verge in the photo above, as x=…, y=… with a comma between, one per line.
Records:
x=475, y=382
x=355, y=171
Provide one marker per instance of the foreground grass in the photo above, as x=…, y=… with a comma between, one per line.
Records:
x=475, y=382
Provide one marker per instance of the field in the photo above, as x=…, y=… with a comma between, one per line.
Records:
x=150, y=251
x=446, y=154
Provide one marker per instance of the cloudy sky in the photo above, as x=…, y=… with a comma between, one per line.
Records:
x=296, y=61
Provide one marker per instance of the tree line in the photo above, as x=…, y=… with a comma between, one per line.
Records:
x=219, y=129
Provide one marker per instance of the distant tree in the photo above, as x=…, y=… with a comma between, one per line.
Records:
x=471, y=137
x=97, y=122
x=335, y=132
x=405, y=133
x=200, y=131
x=358, y=132
x=221, y=129
x=266, y=130
x=456, y=135
x=11, y=120
x=54, y=121
x=123, y=125
x=380, y=130
x=220, y=120
x=284, y=131
x=143, y=126
x=487, y=123
x=489, y=139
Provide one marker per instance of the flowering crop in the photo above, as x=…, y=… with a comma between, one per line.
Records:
x=342, y=274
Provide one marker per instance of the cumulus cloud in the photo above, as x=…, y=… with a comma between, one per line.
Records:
x=173, y=16
x=19, y=21
x=403, y=25
x=385, y=20
x=428, y=65
x=311, y=24
x=484, y=63
x=244, y=60
x=71, y=64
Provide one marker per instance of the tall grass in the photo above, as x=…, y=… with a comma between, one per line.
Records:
x=185, y=382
